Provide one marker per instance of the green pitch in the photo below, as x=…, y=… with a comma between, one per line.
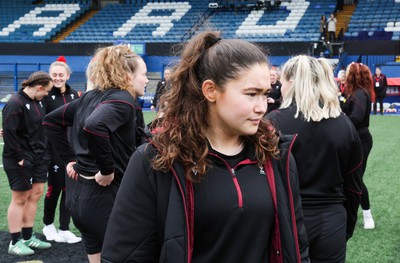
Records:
x=382, y=179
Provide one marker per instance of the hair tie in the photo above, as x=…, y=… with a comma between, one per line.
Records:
x=62, y=59
x=212, y=42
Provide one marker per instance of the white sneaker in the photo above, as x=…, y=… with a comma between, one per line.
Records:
x=50, y=232
x=368, y=220
x=66, y=236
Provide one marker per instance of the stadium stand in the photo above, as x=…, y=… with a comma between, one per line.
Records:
x=23, y=21
x=159, y=24
x=177, y=21
x=293, y=21
x=375, y=20
x=147, y=22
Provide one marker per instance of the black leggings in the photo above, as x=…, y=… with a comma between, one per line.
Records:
x=56, y=186
x=366, y=148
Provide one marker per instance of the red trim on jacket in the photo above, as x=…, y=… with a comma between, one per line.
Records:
x=292, y=202
x=276, y=250
x=189, y=227
x=190, y=197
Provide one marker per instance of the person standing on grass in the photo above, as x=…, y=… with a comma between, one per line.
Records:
x=215, y=184
x=60, y=94
x=274, y=96
x=360, y=91
x=102, y=139
x=328, y=155
x=162, y=86
x=26, y=160
x=380, y=87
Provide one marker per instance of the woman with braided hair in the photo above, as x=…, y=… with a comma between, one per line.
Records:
x=26, y=160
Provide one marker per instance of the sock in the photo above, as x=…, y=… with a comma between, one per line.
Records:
x=367, y=212
x=15, y=237
x=27, y=233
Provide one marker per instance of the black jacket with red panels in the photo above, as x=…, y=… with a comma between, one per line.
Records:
x=23, y=134
x=329, y=160
x=358, y=108
x=103, y=132
x=56, y=99
x=154, y=215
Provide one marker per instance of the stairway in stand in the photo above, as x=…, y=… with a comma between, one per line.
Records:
x=71, y=28
x=343, y=18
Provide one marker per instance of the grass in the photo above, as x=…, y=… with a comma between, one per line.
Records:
x=5, y=193
x=382, y=178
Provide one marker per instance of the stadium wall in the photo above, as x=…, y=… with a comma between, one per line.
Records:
x=25, y=58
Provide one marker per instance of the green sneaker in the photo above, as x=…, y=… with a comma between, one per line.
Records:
x=20, y=249
x=34, y=242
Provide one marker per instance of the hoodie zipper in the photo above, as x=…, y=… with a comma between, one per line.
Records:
x=237, y=186
x=232, y=171
x=37, y=110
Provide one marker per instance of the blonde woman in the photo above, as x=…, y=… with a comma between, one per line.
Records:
x=328, y=155
x=60, y=94
x=102, y=140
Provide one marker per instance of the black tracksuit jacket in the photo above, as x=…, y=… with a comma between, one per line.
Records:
x=103, y=132
x=22, y=128
x=329, y=160
x=276, y=94
x=153, y=218
x=56, y=99
x=358, y=108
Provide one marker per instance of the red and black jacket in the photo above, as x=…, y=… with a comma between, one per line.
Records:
x=56, y=99
x=153, y=215
x=102, y=132
x=380, y=89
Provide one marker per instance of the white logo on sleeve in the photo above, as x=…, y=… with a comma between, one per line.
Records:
x=28, y=106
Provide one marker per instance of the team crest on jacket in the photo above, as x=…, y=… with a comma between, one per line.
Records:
x=28, y=106
x=72, y=96
x=53, y=97
x=262, y=172
x=40, y=103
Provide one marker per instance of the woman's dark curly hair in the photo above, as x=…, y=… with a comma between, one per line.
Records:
x=182, y=136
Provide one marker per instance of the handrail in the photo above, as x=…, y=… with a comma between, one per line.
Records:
x=15, y=69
